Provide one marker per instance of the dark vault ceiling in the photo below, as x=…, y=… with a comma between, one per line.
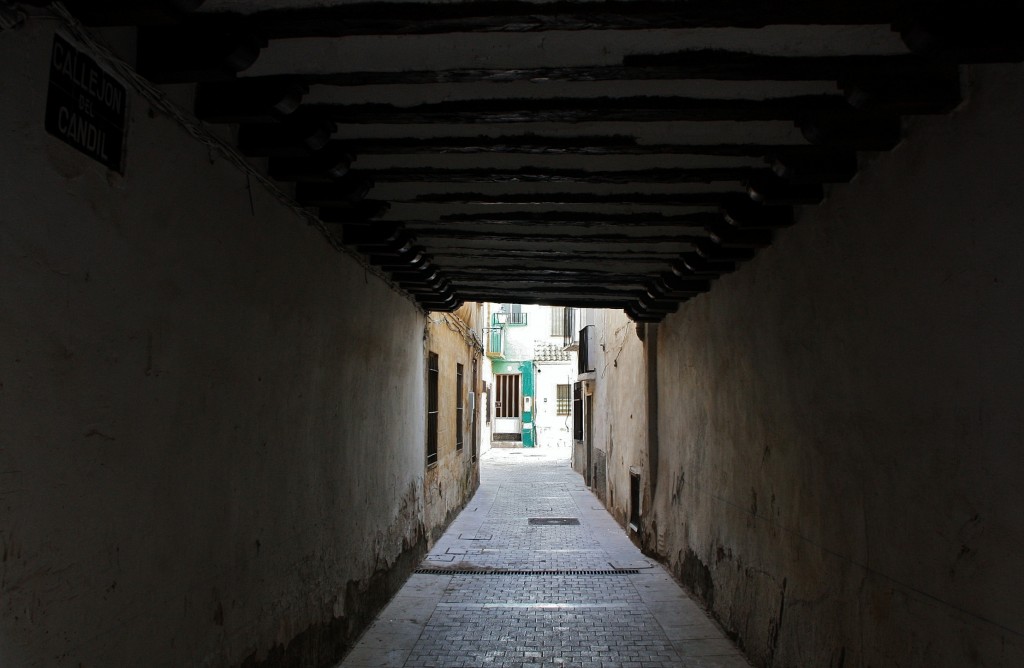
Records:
x=610, y=154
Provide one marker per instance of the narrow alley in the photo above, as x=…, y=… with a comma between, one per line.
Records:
x=535, y=572
x=511, y=333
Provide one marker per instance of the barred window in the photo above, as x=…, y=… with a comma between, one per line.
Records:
x=458, y=406
x=563, y=402
x=558, y=321
x=432, y=381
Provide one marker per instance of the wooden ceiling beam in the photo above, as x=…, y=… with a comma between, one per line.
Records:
x=712, y=199
x=244, y=101
x=514, y=258
x=643, y=109
x=571, y=241
x=576, y=301
x=409, y=18
x=545, y=218
x=128, y=12
x=166, y=55
x=319, y=169
x=713, y=64
x=532, y=144
x=528, y=283
x=975, y=32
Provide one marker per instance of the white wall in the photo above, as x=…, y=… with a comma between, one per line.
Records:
x=213, y=441
x=841, y=433
x=553, y=430
x=620, y=410
x=519, y=339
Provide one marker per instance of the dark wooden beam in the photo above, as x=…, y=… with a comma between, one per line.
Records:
x=697, y=64
x=326, y=166
x=585, y=110
x=578, y=238
x=242, y=101
x=713, y=199
x=674, y=287
x=770, y=190
x=546, y=218
x=128, y=12
x=323, y=168
x=716, y=252
x=741, y=66
x=528, y=282
x=864, y=132
x=978, y=32
x=165, y=55
x=823, y=165
x=441, y=306
x=355, y=212
x=642, y=317
x=744, y=212
x=576, y=300
x=547, y=268
x=560, y=292
x=935, y=90
x=532, y=144
x=618, y=253
x=299, y=135
x=297, y=170
x=463, y=274
x=504, y=265
x=378, y=235
x=408, y=18
x=333, y=194
x=651, y=304
x=737, y=237
x=691, y=265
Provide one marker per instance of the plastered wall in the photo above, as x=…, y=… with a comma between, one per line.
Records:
x=454, y=477
x=620, y=413
x=840, y=423
x=212, y=444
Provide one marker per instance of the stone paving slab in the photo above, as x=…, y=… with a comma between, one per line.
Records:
x=613, y=608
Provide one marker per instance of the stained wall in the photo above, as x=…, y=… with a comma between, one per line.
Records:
x=213, y=446
x=841, y=445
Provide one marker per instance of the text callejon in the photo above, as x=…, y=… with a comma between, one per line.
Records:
x=86, y=107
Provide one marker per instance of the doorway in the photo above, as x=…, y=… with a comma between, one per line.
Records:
x=507, y=407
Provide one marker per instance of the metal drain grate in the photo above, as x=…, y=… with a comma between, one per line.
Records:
x=500, y=571
x=554, y=521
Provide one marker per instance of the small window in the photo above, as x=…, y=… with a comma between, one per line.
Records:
x=459, y=406
x=563, y=402
x=577, y=411
x=432, y=382
x=558, y=322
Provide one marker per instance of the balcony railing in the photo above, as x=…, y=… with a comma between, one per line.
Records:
x=508, y=319
x=495, y=340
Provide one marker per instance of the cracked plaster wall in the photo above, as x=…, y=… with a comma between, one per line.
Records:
x=841, y=447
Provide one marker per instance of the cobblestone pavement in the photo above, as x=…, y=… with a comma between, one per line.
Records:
x=501, y=591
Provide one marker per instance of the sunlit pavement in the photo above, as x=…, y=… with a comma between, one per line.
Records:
x=535, y=572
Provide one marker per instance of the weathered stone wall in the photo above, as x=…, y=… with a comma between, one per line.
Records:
x=213, y=437
x=841, y=449
x=455, y=476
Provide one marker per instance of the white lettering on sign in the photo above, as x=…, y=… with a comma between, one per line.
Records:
x=86, y=106
x=82, y=72
x=79, y=129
